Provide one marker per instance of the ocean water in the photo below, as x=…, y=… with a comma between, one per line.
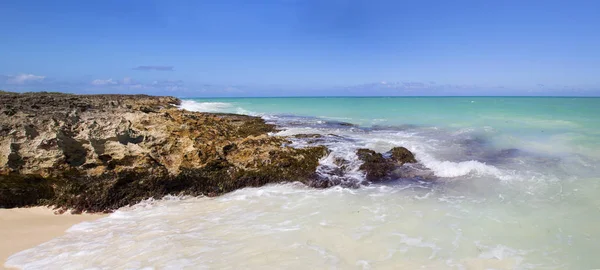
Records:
x=516, y=185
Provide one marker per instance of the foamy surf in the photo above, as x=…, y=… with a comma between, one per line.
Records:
x=194, y=106
x=439, y=149
x=213, y=107
x=295, y=227
x=456, y=169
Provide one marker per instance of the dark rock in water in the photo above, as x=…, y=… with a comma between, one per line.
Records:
x=402, y=155
x=400, y=164
x=101, y=152
x=396, y=127
x=501, y=156
x=308, y=136
x=346, y=124
x=508, y=153
x=473, y=147
x=374, y=164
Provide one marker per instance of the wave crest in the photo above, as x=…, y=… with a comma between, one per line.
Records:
x=194, y=106
x=456, y=169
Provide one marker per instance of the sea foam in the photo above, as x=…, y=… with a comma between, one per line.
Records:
x=456, y=169
x=195, y=106
x=296, y=227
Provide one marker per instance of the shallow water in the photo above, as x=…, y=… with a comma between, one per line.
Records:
x=516, y=187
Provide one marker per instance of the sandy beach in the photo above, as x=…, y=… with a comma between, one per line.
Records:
x=23, y=228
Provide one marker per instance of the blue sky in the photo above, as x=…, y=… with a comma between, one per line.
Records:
x=301, y=47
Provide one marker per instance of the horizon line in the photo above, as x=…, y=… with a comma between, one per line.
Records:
x=455, y=96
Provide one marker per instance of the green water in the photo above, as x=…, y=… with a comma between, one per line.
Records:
x=551, y=124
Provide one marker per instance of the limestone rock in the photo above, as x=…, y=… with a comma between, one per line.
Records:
x=101, y=152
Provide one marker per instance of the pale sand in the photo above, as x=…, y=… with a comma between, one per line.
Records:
x=23, y=228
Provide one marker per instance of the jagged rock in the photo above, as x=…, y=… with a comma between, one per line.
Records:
x=402, y=155
x=397, y=163
x=101, y=152
x=374, y=164
x=308, y=136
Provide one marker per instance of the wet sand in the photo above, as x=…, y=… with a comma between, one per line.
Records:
x=23, y=228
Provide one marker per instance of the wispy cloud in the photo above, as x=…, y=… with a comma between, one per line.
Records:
x=405, y=86
x=155, y=68
x=131, y=84
x=22, y=78
x=100, y=82
x=169, y=85
x=105, y=82
x=125, y=85
x=127, y=80
x=430, y=88
x=411, y=88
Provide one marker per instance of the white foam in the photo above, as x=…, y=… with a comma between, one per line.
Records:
x=299, y=130
x=351, y=171
x=195, y=106
x=418, y=242
x=381, y=141
x=456, y=169
x=313, y=228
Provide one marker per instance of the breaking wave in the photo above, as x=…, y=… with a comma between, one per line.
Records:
x=194, y=106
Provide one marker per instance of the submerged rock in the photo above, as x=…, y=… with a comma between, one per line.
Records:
x=412, y=171
x=101, y=152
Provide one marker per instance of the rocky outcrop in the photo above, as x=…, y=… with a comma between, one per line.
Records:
x=401, y=155
x=101, y=152
x=397, y=163
x=374, y=164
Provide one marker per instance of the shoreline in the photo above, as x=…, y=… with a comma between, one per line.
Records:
x=24, y=228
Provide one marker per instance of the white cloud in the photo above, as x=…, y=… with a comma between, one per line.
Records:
x=127, y=80
x=124, y=81
x=24, y=78
x=139, y=86
x=157, y=68
x=127, y=83
x=104, y=82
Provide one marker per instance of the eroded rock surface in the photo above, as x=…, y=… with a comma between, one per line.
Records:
x=397, y=163
x=101, y=152
x=374, y=164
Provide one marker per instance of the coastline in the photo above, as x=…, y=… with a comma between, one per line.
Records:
x=24, y=228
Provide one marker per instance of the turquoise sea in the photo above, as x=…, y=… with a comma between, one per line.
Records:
x=547, y=122
x=516, y=185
